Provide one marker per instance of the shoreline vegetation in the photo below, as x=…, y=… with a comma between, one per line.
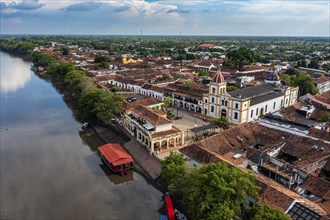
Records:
x=212, y=191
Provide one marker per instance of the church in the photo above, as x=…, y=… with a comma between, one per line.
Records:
x=247, y=104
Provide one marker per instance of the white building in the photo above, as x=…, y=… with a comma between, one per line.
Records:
x=247, y=104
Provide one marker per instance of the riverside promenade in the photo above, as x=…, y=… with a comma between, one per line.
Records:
x=149, y=165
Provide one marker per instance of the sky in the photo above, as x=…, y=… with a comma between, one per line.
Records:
x=166, y=17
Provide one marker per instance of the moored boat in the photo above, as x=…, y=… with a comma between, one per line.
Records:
x=116, y=158
x=169, y=207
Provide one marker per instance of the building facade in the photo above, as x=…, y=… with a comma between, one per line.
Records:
x=152, y=130
x=247, y=104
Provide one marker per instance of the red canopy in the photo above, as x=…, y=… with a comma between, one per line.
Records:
x=115, y=154
x=169, y=207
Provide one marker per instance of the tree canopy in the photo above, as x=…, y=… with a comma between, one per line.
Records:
x=222, y=122
x=214, y=191
x=261, y=212
x=302, y=80
x=240, y=57
x=99, y=104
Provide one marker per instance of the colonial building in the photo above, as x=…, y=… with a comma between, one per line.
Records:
x=151, y=128
x=247, y=104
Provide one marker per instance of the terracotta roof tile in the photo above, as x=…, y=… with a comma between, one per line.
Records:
x=150, y=116
x=316, y=186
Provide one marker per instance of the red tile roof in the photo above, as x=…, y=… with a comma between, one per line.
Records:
x=115, y=154
x=151, y=116
x=316, y=185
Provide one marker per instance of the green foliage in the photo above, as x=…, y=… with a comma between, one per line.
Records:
x=115, y=89
x=216, y=191
x=173, y=167
x=170, y=115
x=231, y=88
x=65, y=51
x=146, y=66
x=188, y=84
x=325, y=116
x=104, y=65
x=292, y=72
x=314, y=63
x=100, y=59
x=76, y=81
x=19, y=48
x=99, y=104
x=204, y=73
x=166, y=76
x=42, y=59
x=240, y=57
x=167, y=102
x=286, y=78
x=302, y=80
x=59, y=70
x=262, y=212
x=222, y=122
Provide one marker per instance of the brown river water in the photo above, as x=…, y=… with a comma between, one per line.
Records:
x=48, y=170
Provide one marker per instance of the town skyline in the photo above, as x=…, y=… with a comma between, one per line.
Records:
x=186, y=18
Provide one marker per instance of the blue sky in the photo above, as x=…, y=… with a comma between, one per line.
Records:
x=167, y=17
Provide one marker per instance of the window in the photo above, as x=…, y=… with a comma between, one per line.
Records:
x=226, y=103
x=205, y=100
x=212, y=109
x=212, y=100
x=274, y=105
x=235, y=115
x=266, y=108
x=213, y=90
x=251, y=113
x=257, y=112
x=236, y=105
x=223, y=102
x=286, y=101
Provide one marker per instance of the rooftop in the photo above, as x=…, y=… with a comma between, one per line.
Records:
x=151, y=116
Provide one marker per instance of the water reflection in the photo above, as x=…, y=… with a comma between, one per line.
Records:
x=116, y=178
x=14, y=75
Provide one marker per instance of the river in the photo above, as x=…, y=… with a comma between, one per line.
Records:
x=48, y=171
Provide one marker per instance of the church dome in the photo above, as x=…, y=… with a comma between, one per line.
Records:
x=218, y=78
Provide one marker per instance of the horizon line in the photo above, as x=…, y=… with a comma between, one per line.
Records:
x=166, y=35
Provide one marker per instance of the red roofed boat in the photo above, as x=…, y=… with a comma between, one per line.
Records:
x=116, y=158
x=169, y=207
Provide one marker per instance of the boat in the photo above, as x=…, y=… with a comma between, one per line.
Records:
x=179, y=215
x=163, y=217
x=116, y=158
x=169, y=207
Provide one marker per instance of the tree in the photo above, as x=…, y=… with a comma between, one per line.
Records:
x=165, y=76
x=231, y=88
x=173, y=167
x=204, y=73
x=65, y=51
x=304, y=82
x=99, y=104
x=222, y=122
x=261, y=212
x=167, y=102
x=216, y=191
x=75, y=81
x=292, y=72
x=240, y=57
x=314, y=63
x=100, y=59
